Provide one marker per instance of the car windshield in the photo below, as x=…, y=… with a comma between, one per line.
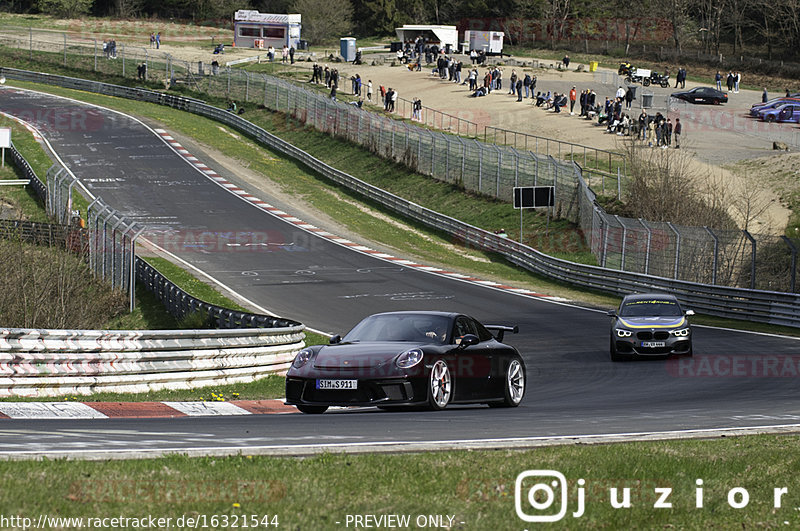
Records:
x=419, y=328
x=650, y=308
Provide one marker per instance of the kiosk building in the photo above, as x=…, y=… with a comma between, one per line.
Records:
x=252, y=29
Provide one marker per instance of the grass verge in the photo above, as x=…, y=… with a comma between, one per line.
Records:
x=474, y=488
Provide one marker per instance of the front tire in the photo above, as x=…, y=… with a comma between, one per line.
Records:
x=312, y=410
x=646, y=82
x=440, y=386
x=514, y=388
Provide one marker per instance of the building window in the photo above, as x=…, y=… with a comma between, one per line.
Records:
x=274, y=33
x=245, y=31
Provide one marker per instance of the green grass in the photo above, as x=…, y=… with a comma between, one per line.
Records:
x=474, y=487
x=272, y=386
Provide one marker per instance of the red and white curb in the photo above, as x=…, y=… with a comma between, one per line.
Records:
x=104, y=410
x=233, y=188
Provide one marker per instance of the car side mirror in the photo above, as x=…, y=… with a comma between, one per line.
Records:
x=611, y=313
x=469, y=340
x=335, y=339
x=689, y=313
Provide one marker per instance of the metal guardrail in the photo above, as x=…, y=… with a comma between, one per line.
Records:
x=33, y=180
x=40, y=363
x=180, y=304
x=754, y=305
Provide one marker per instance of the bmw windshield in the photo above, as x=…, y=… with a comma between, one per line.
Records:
x=651, y=308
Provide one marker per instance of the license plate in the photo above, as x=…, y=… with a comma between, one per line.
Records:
x=337, y=384
x=653, y=344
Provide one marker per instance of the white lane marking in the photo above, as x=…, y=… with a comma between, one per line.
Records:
x=200, y=409
x=49, y=410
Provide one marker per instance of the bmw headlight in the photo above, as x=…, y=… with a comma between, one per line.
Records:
x=409, y=358
x=621, y=332
x=302, y=358
x=683, y=332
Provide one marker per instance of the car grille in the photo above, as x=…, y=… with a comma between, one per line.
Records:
x=644, y=336
x=367, y=391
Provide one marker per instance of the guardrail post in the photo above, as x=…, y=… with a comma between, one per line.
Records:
x=793, y=272
x=752, y=258
x=716, y=256
x=604, y=236
x=677, y=248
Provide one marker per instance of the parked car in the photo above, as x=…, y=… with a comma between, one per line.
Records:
x=788, y=112
x=650, y=324
x=702, y=95
x=422, y=358
x=756, y=109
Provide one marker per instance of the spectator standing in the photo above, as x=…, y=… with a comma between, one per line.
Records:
x=764, y=96
x=565, y=60
x=291, y=54
x=678, y=129
x=394, y=100
x=718, y=80
x=628, y=98
x=513, y=85
x=730, y=81
x=573, y=96
x=369, y=91
x=669, y=132
x=737, y=77
x=533, y=85
x=519, y=89
x=527, y=84
x=620, y=93
x=285, y=54
x=152, y=40
x=643, y=119
x=158, y=40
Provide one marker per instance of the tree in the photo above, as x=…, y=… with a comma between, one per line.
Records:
x=65, y=8
x=325, y=20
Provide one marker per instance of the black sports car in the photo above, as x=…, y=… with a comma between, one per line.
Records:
x=409, y=359
x=702, y=95
x=650, y=324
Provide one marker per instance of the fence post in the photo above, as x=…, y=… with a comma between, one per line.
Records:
x=132, y=288
x=95, y=55
x=624, y=242
x=30, y=44
x=716, y=255
x=752, y=259
x=677, y=247
x=65, y=49
x=647, y=252
x=793, y=272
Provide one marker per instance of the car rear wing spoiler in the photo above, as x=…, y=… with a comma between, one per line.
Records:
x=501, y=330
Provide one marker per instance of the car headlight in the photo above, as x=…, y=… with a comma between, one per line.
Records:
x=621, y=332
x=302, y=358
x=683, y=332
x=409, y=358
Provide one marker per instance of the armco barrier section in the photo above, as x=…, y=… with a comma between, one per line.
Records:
x=180, y=304
x=754, y=305
x=41, y=363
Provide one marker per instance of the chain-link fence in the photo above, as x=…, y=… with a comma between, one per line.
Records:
x=662, y=249
x=111, y=237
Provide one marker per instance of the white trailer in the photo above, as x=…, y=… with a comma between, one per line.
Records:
x=491, y=42
x=442, y=36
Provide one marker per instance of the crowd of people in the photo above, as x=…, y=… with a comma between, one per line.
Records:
x=614, y=114
x=732, y=81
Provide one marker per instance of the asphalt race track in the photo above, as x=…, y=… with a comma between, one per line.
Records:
x=736, y=379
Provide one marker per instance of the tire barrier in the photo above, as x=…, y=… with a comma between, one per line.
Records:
x=48, y=363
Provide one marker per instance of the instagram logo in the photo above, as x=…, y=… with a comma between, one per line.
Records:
x=540, y=498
